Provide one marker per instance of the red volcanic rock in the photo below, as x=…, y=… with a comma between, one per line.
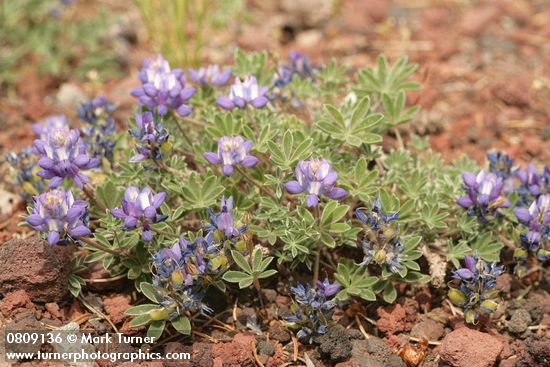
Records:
x=465, y=347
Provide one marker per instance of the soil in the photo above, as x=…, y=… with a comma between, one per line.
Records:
x=485, y=70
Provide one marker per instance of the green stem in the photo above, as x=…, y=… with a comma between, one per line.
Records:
x=93, y=243
x=318, y=253
x=255, y=183
x=89, y=192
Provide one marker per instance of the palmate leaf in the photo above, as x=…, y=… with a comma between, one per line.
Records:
x=355, y=127
x=201, y=194
x=290, y=150
x=354, y=282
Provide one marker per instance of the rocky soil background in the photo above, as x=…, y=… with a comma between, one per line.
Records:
x=485, y=70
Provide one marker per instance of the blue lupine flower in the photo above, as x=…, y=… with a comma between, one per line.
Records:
x=483, y=197
x=223, y=221
x=25, y=166
x=381, y=242
x=501, y=165
x=49, y=125
x=211, y=75
x=99, y=134
x=163, y=89
x=243, y=93
x=57, y=213
x=232, y=150
x=312, y=313
x=473, y=287
x=316, y=177
x=533, y=184
x=299, y=66
x=535, y=241
x=152, y=136
x=139, y=209
x=63, y=156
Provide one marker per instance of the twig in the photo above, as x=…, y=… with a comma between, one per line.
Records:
x=97, y=312
x=213, y=340
x=93, y=243
x=106, y=280
x=255, y=353
x=361, y=328
x=295, y=346
x=89, y=192
x=418, y=340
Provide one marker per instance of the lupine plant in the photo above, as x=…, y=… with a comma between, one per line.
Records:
x=312, y=192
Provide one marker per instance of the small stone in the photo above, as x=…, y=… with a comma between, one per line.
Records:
x=371, y=353
x=35, y=267
x=536, y=352
x=270, y=295
x=53, y=309
x=519, y=322
x=392, y=319
x=202, y=354
x=16, y=302
x=335, y=344
x=428, y=329
x=277, y=331
x=235, y=353
x=465, y=347
x=70, y=96
x=278, y=359
x=115, y=306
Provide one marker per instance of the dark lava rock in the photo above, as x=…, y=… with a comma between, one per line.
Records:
x=536, y=352
x=266, y=348
x=35, y=267
x=519, y=322
x=335, y=345
x=371, y=353
x=534, y=304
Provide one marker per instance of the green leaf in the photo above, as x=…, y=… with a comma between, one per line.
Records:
x=256, y=259
x=246, y=282
x=139, y=321
x=156, y=329
x=240, y=260
x=333, y=212
x=182, y=325
x=267, y=273
x=390, y=293
x=141, y=309
x=150, y=292
x=235, y=276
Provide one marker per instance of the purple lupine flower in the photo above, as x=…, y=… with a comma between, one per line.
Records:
x=211, y=75
x=501, y=165
x=327, y=288
x=50, y=124
x=152, y=136
x=243, y=93
x=531, y=181
x=223, y=221
x=63, y=155
x=483, y=197
x=60, y=215
x=316, y=177
x=473, y=287
x=163, y=89
x=232, y=150
x=537, y=219
x=139, y=209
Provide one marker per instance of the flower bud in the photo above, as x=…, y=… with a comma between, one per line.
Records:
x=177, y=277
x=520, y=253
x=489, y=305
x=380, y=257
x=470, y=316
x=160, y=314
x=456, y=296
